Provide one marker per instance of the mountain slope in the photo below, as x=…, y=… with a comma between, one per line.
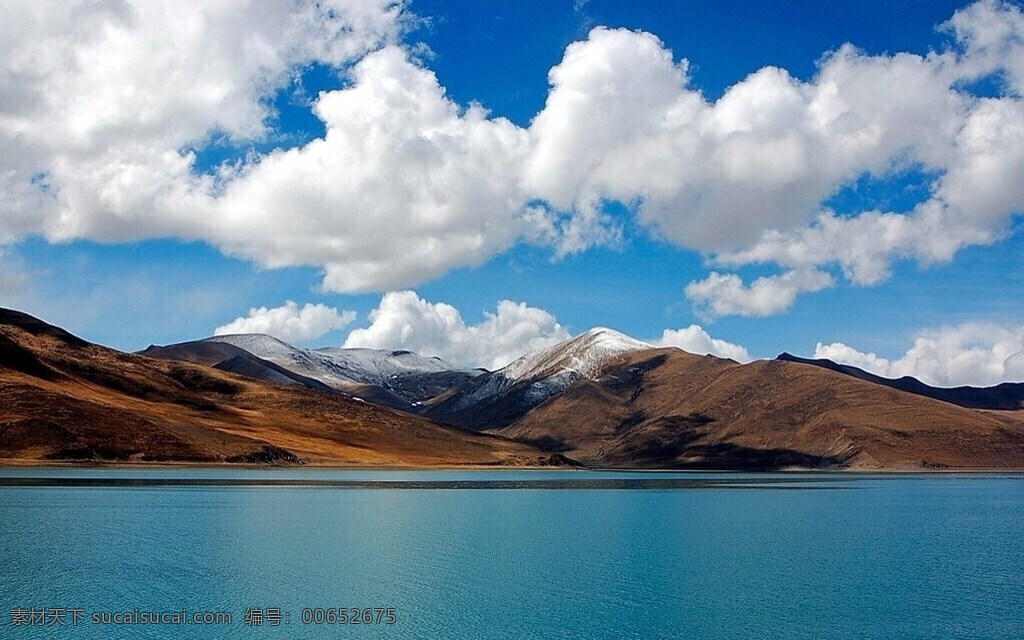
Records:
x=585, y=355
x=498, y=398
x=398, y=379
x=1006, y=396
x=66, y=399
x=669, y=408
x=228, y=357
x=600, y=397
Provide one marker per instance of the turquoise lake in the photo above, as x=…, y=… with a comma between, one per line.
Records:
x=518, y=554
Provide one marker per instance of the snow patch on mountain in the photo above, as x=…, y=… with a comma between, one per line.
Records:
x=585, y=355
x=539, y=375
x=379, y=364
x=338, y=367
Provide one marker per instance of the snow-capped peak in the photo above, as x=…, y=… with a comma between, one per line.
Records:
x=611, y=338
x=584, y=354
x=334, y=366
x=259, y=344
x=385, y=362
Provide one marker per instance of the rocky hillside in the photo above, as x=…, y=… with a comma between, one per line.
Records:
x=66, y=399
x=669, y=408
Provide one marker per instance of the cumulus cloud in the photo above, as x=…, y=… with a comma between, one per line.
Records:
x=695, y=339
x=723, y=294
x=970, y=354
x=288, y=322
x=404, y=186
x=972, y=204
x=845, y=354
x=744, y=178
x=100, y=102
x=403, y=320
x=990, y=33
x=621, y=122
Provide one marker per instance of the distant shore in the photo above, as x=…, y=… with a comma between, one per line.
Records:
x=10, y=463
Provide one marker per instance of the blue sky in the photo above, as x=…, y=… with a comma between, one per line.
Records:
x=145, y=288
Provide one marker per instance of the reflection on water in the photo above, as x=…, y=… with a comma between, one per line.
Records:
x=537, y=554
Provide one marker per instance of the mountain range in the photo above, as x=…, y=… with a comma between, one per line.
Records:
x=397, y=379
x=64, y=399
x=600, y=399
x=1007, y=395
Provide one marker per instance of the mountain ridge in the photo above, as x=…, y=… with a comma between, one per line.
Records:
x=65, y=399
x=395, y=378
x=499, y=397
x=562, y=364
x=1003, y=396
x=600, y=397
x=666, y=408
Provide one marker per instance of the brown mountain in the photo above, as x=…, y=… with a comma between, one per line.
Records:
x=669, y=408
x=1004, y=396
x=62, y=398
x=601, y=398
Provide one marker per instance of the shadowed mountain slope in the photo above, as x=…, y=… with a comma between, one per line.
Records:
x=498, y=398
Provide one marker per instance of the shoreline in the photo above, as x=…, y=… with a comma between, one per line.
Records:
x=13, y=463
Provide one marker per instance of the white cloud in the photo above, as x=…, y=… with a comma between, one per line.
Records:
x=723, y=294
x=990, y=32
x=970, y=354
x=839, y=352
x=404, y=187
x=972, y=204
x=695, y=339
x=98, y=101
x=622, y=123
x=403, y=320
x=742, y=177
x=290, y=323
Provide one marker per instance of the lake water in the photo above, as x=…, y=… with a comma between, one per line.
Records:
x=517, y=555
